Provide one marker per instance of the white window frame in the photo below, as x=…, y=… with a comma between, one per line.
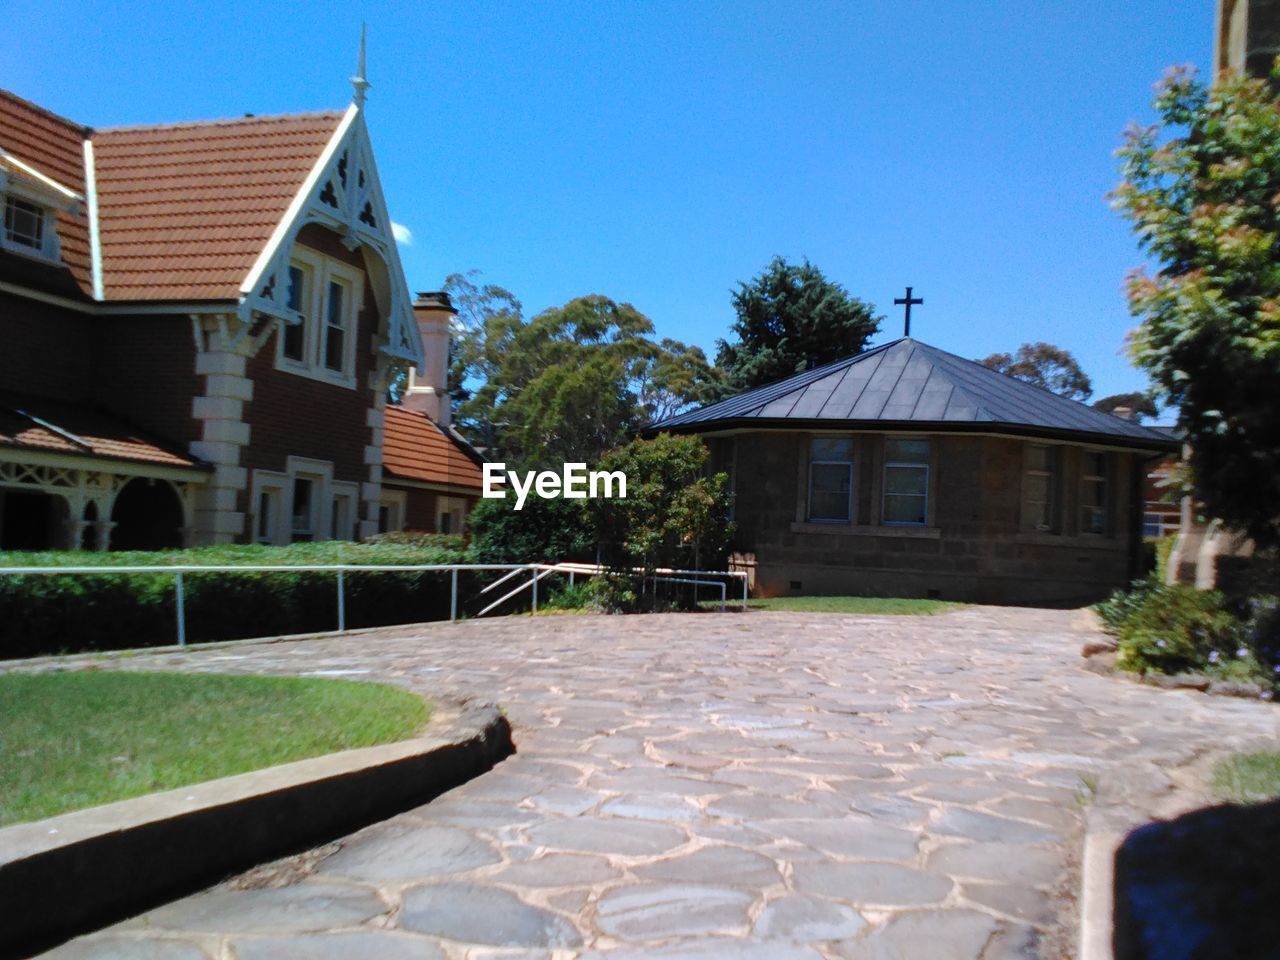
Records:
x=914, y=464
x=395, y=502
x=346, y=501
x=1152, y=519
x=320, y=271
x=300, y=317
x=456, y=509
x=50, y=249
x=25, y=183
x=853, y=497
x=320, y=473
x=273, y=486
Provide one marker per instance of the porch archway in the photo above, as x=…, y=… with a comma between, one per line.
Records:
x=148, y=516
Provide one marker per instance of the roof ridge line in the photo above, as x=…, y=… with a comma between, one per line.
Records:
x=220, y=121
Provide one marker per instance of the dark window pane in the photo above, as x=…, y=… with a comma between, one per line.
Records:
x=903, y=508
x=24, y=223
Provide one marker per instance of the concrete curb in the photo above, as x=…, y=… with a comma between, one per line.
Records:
x=83, y=870
x=1097, y=894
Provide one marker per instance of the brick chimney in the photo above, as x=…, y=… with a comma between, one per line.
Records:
x=428, y=389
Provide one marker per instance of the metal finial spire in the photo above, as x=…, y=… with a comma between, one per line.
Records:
x=358, y=82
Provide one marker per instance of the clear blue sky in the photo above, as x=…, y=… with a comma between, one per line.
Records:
x=660, y=152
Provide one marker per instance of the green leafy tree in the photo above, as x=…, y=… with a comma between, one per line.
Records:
x=788, y=319
x=673, y=378
x=481, y=307
x=570, y=383
x=1201, y=189
x=674, y=515
x=1044, y=365
x=1139, y=405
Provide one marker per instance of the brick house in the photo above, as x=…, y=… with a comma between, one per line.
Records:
x=198, y=326
x=909, y=471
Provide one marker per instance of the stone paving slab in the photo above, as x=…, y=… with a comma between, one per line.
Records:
x=716, y=786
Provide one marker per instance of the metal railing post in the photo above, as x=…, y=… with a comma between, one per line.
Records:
x=535, y=589
x=182, y=619
x=453, y=596
x=744, y=593
x=342, y=605
x=570, y=579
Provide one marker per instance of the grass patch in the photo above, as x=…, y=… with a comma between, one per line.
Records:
x=80, y=738
x=871, y=605
x=1247, y=777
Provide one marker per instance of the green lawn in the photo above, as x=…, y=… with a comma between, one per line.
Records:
x=874, y=605
x=75, y=739
x=1248, y=777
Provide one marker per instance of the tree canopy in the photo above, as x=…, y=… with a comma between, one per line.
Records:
x=1044, y=365
x=571, y=382
x=1201, y=189
x=788, y=319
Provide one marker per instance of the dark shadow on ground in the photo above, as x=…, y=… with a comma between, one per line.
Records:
x=1202, y=887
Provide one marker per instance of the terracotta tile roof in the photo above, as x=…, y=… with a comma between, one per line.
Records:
x=55, y=147
x=185, y=209
x=414, y=448
x=34, y=423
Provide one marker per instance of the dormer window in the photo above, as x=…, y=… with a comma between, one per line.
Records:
x=24, y=223
x=31, y=202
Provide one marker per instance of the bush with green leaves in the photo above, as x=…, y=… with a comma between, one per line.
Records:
x=675, y=515
x=1174, y=628
x=41, y=614
x=544, y=531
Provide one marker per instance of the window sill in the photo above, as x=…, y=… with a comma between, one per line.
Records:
x=43, y=255
x=867, y=530
x=1090, y=541
x=315, y=373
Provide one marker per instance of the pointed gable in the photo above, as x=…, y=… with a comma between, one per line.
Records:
x=186, y=209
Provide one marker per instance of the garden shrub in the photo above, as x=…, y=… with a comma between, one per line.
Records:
x=1174, y=628
x=576, y=597
x=42, y=614
x=543, y=531
x=419, y=538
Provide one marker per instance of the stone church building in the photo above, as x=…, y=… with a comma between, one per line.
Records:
x=199, y=323
x=908, y=471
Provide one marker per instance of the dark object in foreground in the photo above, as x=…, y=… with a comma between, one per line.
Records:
x=1201, y=887
x=108, y=863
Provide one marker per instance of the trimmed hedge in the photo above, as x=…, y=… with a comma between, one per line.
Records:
x=43, y=614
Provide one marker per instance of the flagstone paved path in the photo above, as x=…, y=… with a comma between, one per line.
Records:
x=768, y=785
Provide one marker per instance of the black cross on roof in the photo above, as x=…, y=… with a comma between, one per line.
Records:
x=908, y=300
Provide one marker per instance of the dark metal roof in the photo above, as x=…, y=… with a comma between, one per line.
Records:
x=913, y=385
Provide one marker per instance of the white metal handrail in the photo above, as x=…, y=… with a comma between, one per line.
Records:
x=538, y=571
